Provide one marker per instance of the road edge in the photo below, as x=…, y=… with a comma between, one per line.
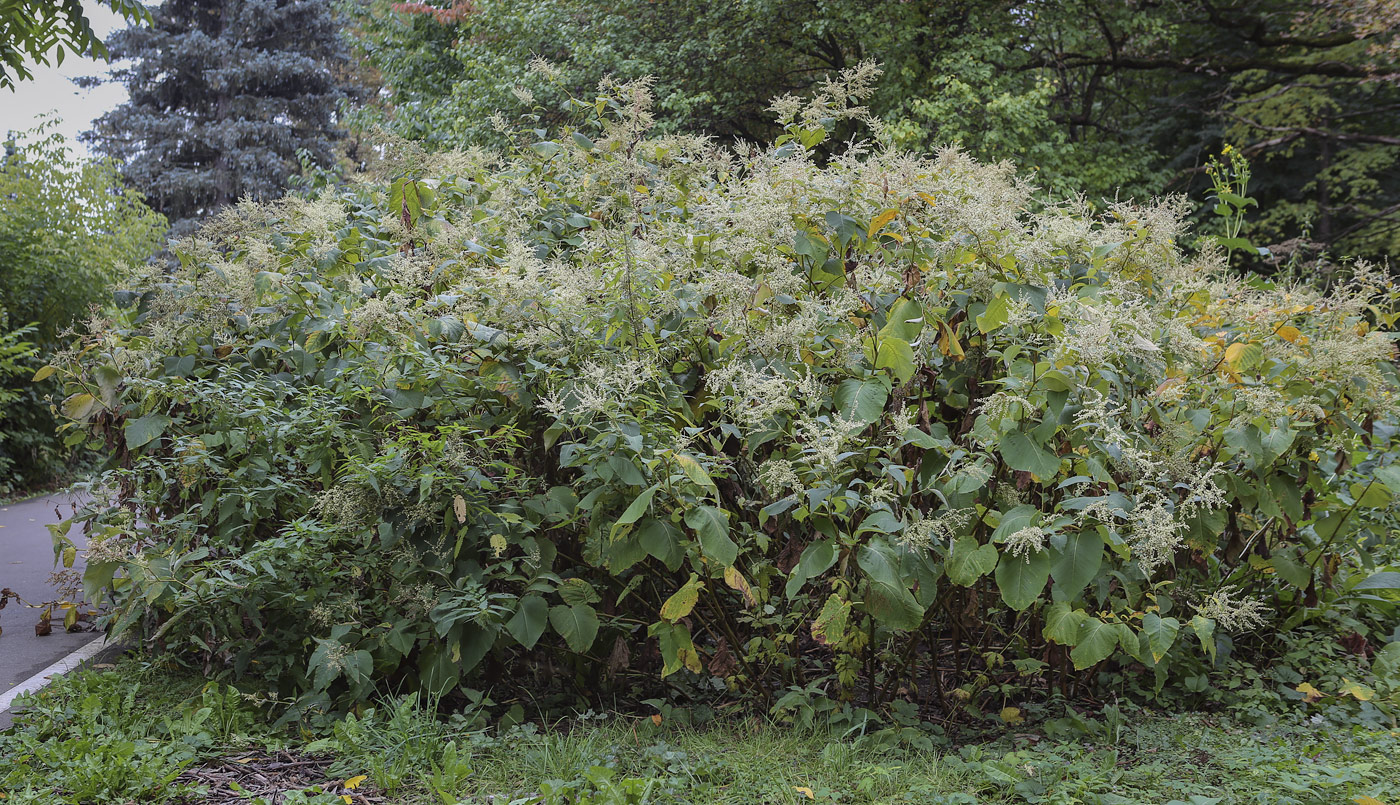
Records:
x=71, y=662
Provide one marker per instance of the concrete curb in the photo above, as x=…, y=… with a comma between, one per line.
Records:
x=38, y=681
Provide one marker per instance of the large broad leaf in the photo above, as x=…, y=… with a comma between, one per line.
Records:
x=830, y=624
x=1386, y=665
x=889, y=601
x=816, y=560
x=682, y=601
x=996, y=314
x=1077, y=564
x=677, y=649
x=1385, y=580
x=1062, y=623
x=896, y=355
x=904, y=321
x=634, y=510
x=1096, y=642
x=1161, y=633
x=1020, y=453
x=862, y=400
x=140, y=432
x=694, y=471
x=1205, y=631
x=712, y=527
x=437, y=670
x=578, y=624
x=529, y=620
x=1389, y=476
x=662, y=540
x=1021, y=579
x=969, y=561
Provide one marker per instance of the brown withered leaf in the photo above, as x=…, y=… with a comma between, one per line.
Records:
x=620, y=658
x=723, y=664
x=789, y=555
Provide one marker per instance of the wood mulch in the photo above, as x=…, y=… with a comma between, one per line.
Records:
x=235, y=779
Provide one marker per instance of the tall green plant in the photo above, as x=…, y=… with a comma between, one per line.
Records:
x=613, y=408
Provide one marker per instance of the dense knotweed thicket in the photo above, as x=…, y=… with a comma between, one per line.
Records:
x=612, y=409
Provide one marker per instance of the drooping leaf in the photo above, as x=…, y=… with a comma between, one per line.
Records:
x=1205, y=631
x=141, y=432
x=816, y=559
x=1062, y=623
x=1020, y=453
x=677, y=649
x=1021, y=579
x=889, y=601
x=529, y=620
x=1095, y=643
x=830, y=624
x=712, y=527
x=897, y=356
x=578, y=624
x=634, y=510
x=1161, y=634
x=1077, y=564
x=996, y=314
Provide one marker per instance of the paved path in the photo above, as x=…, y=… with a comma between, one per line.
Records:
x=26, y=562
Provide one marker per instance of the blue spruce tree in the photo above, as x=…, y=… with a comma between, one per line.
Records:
x=223, y=95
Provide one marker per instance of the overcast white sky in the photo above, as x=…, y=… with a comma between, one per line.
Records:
x=52, y=89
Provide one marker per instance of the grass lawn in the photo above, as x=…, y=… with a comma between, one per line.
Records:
x=137, y=734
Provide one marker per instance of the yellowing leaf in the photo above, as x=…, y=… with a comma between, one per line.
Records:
x=928, y=198
x=1310, y=693
x=43, y=373
x=1012, y=715
x=656, y=719
x=355, y=782
x=682, y=601
x=1233, y=352
x=1367, y=801
x=459, y=507
x=694, y=471
x=804, y=791
x=880, y=221
x=948, y=342
x=736, y=581
x=1289, y=333
x=1357, y=691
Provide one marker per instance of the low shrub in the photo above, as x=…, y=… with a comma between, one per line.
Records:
x=615, y=414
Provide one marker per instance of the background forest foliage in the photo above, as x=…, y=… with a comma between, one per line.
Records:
x=1109, y=100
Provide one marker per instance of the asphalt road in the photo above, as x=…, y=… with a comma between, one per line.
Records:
x=26, y=563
